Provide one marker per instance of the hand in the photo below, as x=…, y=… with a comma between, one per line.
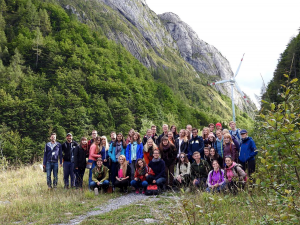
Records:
x=146, y=175
x=44, y=166
x=76, y=168
x=98, y=183
x=60, y=165
x=194, y=181
x=216, y=185
x=105, y=160
x=136, y=179
x=154, y=181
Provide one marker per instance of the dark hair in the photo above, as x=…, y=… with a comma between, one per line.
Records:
x=53, y=134
x=138, y=139
x=195, y=129
x=216, y=156
x=137, y=163
x=175, y=129
x=123, y=141
x=186, y=160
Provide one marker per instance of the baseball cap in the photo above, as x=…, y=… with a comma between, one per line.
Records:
x=244, y=131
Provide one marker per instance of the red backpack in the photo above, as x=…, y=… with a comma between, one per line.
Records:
x=152, y=189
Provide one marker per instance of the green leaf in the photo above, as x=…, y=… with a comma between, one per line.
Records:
x=294, y=80
x=287, y=76
x=272, y=106
x=263, y=101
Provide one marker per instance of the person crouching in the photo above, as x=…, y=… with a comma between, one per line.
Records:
x=100, y=176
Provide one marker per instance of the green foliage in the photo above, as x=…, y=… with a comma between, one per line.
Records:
x=279, y=140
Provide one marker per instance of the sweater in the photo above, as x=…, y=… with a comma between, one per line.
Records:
x=79, y=158
x=248, y=150
x=183, y=169
x=52, y=153
x=215, y=177
x=158, y=168
x=100, y=175
x=200, y=171
x=196, y=144
x=169, y=155
x=235, y=170
x=93, y=155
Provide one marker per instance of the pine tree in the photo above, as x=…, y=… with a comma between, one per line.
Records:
x=37, y=42
x=44, y=22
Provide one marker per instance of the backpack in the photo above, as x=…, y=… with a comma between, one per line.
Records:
x=152, y=189
x=235, y=168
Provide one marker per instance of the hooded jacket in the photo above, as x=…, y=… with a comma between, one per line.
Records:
x=139, y=152
x=230, y=149
x=215, y=177
x=248, y=148
x=112, y=152
x=201, y=170
x=52, y=154
x=79, y=157
x=219, y=147
x=196, y=144
x=235, y=170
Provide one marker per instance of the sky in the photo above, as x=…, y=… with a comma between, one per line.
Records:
x=259, y=28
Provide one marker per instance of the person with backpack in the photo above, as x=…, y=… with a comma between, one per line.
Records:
x=215, y=179
x=247, y=153
x=234, y=174
x=52, y=152
x=80, y=162
x=196, y=144
x=215, y=156
x=183, y=170
x=134, y=151
x=236, y=133
x=168, y=154
x=93, y=156
x=158, y=167
x=181, y=143
x=229, y=147
x=100, y=177
x=142, y=170
x=235, y=141
x=123, y=174
x=219, y=143
x=68, y=160
x=148, y=149
x=199, y=171
x=116, y=149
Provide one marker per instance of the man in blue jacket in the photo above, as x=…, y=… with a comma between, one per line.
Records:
x=247, y=153
x=195, y=144
x=52, y=152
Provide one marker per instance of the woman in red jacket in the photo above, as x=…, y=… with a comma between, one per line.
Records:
x=141, y=172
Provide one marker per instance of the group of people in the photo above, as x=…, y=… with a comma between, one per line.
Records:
x=215, y=160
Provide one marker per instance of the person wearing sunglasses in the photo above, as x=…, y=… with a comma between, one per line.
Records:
x=183, y=170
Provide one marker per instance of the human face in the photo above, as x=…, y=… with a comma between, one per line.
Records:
x=165, y=142
x=150, y=143
x=155, y=155
x=121, y=160
x=131, y=132
x=170, y=135
x=212, y=152
x=141, y=164
x=197, y=157
x=228, y=162
x=119, y=137
x=181, y=157
x=53, y=138
x=216, y=166
x=149, y=133
x=218, y=127
x=211, y=138
x=195, y=133
x=84, y=142
x=173, y=129
x=244, y=135
x=94, y=134
x=99, y=163
x=232, y=125
x=69, y=138
x=181, y=133
x=205, y=132
x=97, y=142
x=227, y=140
x=113, y=136
x=206, y=152
x=165, y=128
x=103, y=141
x=153, y=130
x=135, y=137
x=211, y=128
x=189, y=127
x=219, y=135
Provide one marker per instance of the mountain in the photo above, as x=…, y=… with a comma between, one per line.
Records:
x=64, y=68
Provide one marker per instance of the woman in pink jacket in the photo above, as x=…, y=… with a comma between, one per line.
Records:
x=94, y=154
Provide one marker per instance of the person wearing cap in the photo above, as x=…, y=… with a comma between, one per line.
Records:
x=68, y=160
x=247, y=153
x=218, y=127
x=100, y=176
x=236, y=133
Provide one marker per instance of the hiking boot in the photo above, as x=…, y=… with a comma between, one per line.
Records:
x=96, y=191
x=137, y=191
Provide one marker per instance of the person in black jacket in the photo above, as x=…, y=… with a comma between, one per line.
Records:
x=165, y=128
x=182, y=143
x=80, y=161
x=154, y=135
x=168, y=154
x=123, y=175
x=196, y=144
x=147, y=136
x=68, y=160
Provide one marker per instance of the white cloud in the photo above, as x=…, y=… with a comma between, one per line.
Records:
x=261, y=29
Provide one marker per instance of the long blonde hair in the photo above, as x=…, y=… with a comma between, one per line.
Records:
x=203, y=135
x=124, y=166
x=146, y=146
x=106, y=144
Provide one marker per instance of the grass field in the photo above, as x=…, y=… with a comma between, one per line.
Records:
x=25, y=198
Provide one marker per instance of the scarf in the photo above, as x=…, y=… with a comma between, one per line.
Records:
x=142, y=171
x=118, y=147
x=155, y=160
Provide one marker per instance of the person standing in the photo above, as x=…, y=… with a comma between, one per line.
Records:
x=229, y=147
x=90, y=142
x=219, y=143
x=247, y=153
x=211, y=127
x=104, y=151
x=113, y=137
x=80, y=162
x=149, y=147
x=235, y=132
x=196, y=144
x=218, y=127
x=189, y=128
x=154, y=135
x=181, y=143
x=165, y=128
x=51, y=154
x=68, y=160
x=147, y=136
x=174, y=131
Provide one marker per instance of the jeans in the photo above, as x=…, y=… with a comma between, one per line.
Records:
x=132, y=167
x=114, y=171
x=200, y=182
x=218, y=189
x=69, y=172
x=93, y=166
x=250, y=165
x=52, y=166
x=79, y=173
x=138, y=184
x=169, y=170
x=94, y=185
x=160, y=181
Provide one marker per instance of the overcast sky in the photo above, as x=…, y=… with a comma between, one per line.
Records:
x=259, y=28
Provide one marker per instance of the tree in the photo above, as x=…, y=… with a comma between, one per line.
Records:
x=37, y=42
